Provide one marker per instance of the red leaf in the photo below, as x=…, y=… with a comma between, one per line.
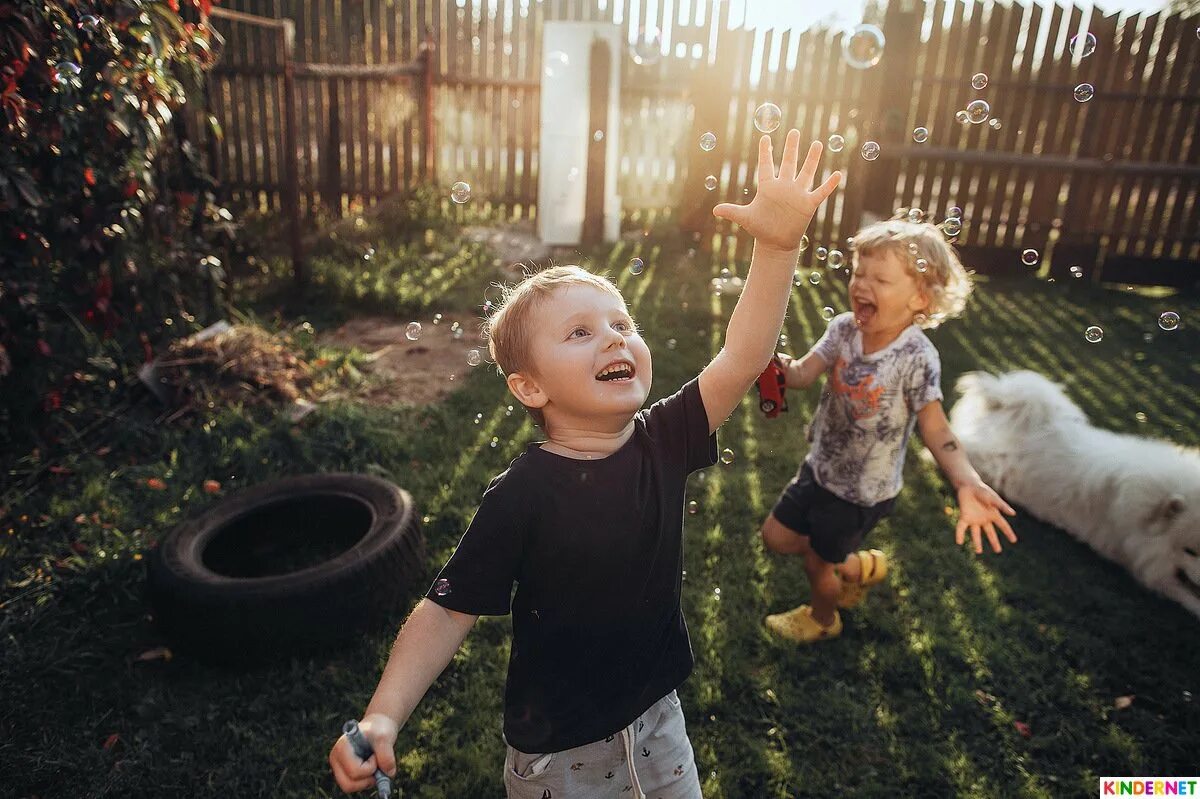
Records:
x=1023, y=728
x=89, y=176
x=156, y=484
x=211, y=486
x=111, y=741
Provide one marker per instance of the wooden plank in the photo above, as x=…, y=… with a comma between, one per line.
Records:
x=1019, y=138
x=1050, y=112
x=1167, y=131
x=993, y=217
x=1147, y=125
x=1177, y=225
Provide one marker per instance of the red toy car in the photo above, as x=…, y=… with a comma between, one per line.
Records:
x=771, y=387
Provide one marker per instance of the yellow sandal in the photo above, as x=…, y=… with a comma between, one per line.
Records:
x=873, y=570
x=798, y=625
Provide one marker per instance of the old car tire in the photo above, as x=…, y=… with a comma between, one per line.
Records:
x=225, y=586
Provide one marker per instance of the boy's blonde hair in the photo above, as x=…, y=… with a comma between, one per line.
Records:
x=509, y=329
x=945, y=279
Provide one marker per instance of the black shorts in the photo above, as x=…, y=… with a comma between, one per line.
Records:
x=834, y=526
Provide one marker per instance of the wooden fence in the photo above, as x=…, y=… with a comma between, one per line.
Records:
x=393, y=93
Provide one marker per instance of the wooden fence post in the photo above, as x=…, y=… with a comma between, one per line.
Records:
x=887, y=89
x=291, y=189
x=331, y=156
x=428, y=148
x=600, y=62
x=710, y=100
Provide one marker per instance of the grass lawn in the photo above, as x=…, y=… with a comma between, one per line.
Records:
x=918, y=698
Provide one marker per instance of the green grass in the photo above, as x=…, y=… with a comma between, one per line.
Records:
x=918, y=697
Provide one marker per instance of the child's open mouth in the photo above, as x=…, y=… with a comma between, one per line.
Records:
x=864, y=312
x=616, y=372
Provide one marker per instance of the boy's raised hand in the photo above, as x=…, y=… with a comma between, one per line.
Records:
x=784, y=203
x=979, y=510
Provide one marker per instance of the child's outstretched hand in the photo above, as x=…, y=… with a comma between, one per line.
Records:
x=979, y=506
x=784, y=203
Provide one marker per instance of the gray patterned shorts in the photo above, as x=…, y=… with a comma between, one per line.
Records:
x=651, y=758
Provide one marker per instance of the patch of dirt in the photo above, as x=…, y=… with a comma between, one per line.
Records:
x=414, y=372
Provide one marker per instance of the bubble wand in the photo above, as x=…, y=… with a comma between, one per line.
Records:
x=362, y=747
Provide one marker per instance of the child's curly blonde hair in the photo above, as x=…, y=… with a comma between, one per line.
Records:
x=509, y=328
x=944, y=279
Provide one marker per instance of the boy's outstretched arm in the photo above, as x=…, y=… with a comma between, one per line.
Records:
x=777, y=217
x=979, y=506
x=425, y=645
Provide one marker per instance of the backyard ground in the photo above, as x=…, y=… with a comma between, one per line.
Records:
x=1030, y=673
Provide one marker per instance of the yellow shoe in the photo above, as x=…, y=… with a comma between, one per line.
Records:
x=873, y=570
x=798, y=625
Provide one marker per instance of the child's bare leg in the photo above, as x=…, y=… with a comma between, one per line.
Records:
x=780, y=538
x=826, y=585
x=851, y=568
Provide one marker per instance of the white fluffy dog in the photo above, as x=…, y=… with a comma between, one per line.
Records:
x=1136, y=501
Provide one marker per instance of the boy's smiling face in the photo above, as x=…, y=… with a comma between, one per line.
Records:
x=884, y=294
x=590, y=364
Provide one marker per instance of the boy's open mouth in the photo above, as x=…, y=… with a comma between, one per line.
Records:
x=864, y=312
x=617, y=371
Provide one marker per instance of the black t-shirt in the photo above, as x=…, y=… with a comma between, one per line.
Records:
x=596, y=550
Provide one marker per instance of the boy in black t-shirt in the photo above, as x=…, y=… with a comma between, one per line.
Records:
x=588, y=524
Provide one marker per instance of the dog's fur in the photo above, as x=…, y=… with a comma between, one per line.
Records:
x=1136, y=501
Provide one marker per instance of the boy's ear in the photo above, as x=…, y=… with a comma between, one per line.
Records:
x=922, y=301
x=526, y=390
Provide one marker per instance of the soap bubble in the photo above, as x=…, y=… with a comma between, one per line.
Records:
x=921, y=135
x=636, y=266
x=693, y=507
x=979, y=80
x=870, y=151
x=89, y=23
x=916, y=215
x=835, y=259
x=767, y=117
x=1093, y=334
x=474, y=358
x=977, y=111
x=922, y=265
x=710, y=182
x=827, y=313
x=1083, y=44
x=961, y=116
x=995, y=124
x=441, y=587
x=952, y=226
x=413, y=331
x=67, y=73
x=863, y=47
x=1029, y=257
x=783, y=341
x=727, y=456
x=836, y=143
x=556, y=63
x=822, y=253
x=672, y=343
x=814, y=278
x=648, y=47
x=1169, y=320
x=913, y=249
x=708, y=142
x=460, y=192
x=598, y=136
x=954, y=210
x=1084, y=92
